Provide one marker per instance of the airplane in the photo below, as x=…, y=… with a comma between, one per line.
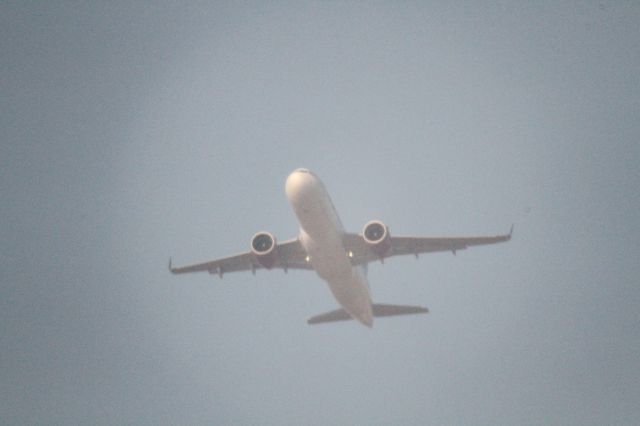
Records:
x=338, y=257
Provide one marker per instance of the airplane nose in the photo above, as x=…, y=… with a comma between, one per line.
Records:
x=299, y=183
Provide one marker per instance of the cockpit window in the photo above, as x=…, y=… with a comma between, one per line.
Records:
x=302, y=170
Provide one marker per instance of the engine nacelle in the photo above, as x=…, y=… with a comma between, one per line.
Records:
x=376, y=235
x=264, y=247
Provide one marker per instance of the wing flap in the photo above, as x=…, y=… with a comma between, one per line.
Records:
x=362, y=254
x=291, y=255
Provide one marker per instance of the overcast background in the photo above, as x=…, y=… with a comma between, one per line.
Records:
x=134, y=132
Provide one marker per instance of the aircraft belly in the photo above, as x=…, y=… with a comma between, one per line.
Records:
x=353, y=295
x=347, y=284
x=321, y=235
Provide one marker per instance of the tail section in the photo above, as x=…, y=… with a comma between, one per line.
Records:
x=379, y=310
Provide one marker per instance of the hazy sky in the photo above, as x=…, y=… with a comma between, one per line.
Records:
x=134, y=132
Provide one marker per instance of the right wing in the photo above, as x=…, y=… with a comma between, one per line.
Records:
x=361, y=254
x=291, y=255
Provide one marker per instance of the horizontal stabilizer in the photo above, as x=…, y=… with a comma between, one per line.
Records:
x=379, y=310
x=337, y=315
x=391, y=310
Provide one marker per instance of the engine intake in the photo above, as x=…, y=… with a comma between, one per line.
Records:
x=376, y=235
x=264, y=247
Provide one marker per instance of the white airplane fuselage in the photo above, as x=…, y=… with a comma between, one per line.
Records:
x=321, y=235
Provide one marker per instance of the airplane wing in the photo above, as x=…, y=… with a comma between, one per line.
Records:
x=291, y=255
x=361, y=254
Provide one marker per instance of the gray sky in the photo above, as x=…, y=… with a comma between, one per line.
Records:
x=132, y=132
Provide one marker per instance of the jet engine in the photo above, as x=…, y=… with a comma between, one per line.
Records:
x=376, y=235
x=264, y=247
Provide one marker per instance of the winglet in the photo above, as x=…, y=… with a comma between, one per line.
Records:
x=511, y=231
x=170, y=268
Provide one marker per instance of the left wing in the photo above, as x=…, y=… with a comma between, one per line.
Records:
x=361, y=254
x=290, y=255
